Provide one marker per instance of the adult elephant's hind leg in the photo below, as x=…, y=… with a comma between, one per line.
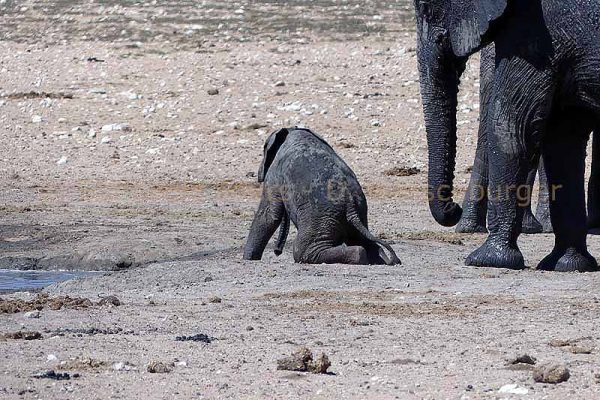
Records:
x=542, y=212
x=593, y=205
x=530, y=223
x=474, y=206
x=564, y=153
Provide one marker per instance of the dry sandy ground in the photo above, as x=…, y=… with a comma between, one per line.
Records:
x=167, y=201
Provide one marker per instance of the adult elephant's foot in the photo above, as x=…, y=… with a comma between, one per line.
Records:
x=569, y=260
x=497, y=255
x=469, y=225
x=530, y=224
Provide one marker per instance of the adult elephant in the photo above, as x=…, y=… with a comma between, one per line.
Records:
x=546, y=86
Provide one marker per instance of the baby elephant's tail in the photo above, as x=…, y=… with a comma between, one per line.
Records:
x=284, y=229
x=362, y=229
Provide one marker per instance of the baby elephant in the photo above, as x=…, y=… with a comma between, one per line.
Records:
x=307, y=182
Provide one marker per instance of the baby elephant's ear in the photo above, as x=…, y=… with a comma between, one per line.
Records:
x=272, y=145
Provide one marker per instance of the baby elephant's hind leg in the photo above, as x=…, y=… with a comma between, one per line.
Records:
x=343, y=255
x=307, y=252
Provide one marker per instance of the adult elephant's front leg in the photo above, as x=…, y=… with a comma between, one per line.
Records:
x=508, y=174
x=520, y=93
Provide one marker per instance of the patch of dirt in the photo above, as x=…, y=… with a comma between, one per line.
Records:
x=454, y=238
x=402, y=171
x=302, y=360
x=22, y=335
x=85, y=363
x=42, y=301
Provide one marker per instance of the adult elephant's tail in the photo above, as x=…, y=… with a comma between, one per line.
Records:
x=362, y=229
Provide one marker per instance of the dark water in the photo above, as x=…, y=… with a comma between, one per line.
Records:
x=11, y=280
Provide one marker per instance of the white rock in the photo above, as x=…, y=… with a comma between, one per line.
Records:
x=295, y=106
x=92, y=133
x=106, y=140
x=36, y=119
x=32, y=314
x=51, y=357
x=63, y=160
x=375, y=122
x=122, y=366
x=116, y=127
x=155, y=150
x=181, y=364
x=513, y=389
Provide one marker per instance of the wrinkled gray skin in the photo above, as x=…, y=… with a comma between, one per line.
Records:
x=306, y=182
x=546, y=93
x=474, y=206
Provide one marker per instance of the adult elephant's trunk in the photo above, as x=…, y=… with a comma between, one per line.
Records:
x=439, y=88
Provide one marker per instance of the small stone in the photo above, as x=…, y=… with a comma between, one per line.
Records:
x=580, y=350
x=32, y=314
x=215, y=300
x=51, y=357
x=106, y=140
x=92, y=133
x=158, y=367
x=523, y=359
x=249, y=328
x=208, y=279
x=36, y=119
x=551, y=373
x=279, y=84
x=375, y=122
x=63, y=160
x=109, y=300
x=213, y=92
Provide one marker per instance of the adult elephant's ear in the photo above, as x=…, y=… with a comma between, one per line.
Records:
x=272, y=145
x=470, y=23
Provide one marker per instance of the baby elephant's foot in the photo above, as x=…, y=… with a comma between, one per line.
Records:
x=496, y=255
x=531, y=224
x=569, y=260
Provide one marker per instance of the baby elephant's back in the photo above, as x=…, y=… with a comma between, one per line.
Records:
x=313, y=172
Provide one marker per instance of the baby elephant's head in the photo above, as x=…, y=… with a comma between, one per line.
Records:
x=277, y=138
x=272, y=145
